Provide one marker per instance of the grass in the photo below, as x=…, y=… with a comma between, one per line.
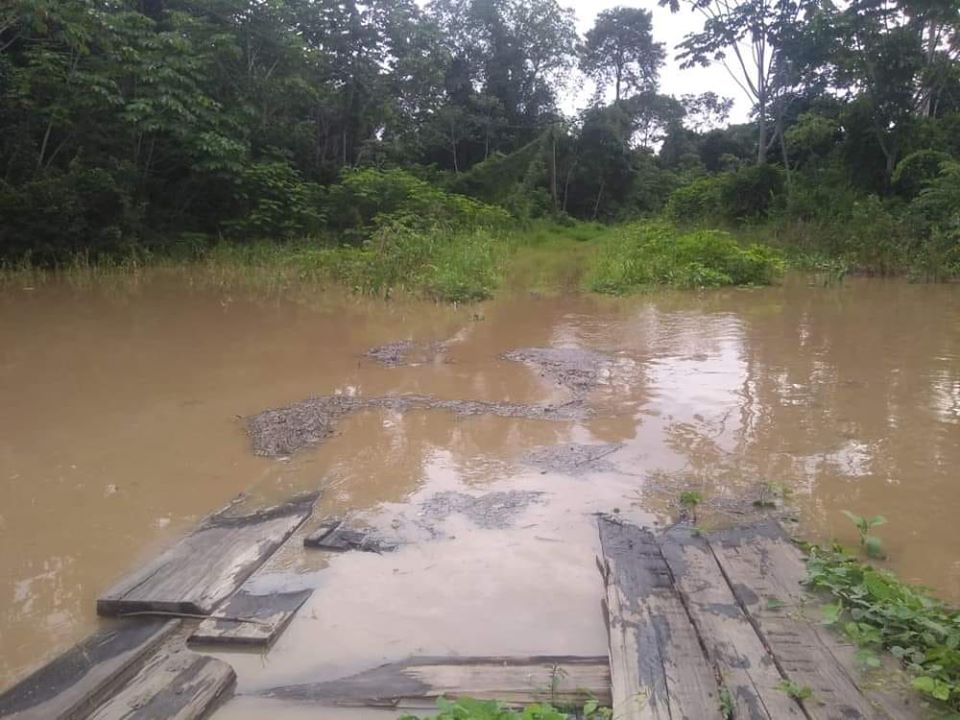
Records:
x=650, y=254
x=441, y=263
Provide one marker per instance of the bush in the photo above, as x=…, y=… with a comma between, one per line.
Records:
x=646, y=254
x=368, y=198
x=440, y=264
x=695, y=202
x=750, y=192
x=278, y=203
x=916, y=171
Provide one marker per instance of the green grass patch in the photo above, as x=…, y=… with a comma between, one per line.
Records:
x=649, y=254
x=880, y=612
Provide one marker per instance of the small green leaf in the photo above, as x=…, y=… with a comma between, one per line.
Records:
x=774, y=603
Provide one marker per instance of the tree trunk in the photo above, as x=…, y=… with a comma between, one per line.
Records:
x=553, y=169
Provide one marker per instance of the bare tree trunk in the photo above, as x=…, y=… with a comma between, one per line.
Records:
x=596, y=205
x=553, y=169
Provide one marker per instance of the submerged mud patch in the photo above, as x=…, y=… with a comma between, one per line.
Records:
x=493, y=510
x=572, y=459
x=406, y=353
x=579, y=371
x=279, y=432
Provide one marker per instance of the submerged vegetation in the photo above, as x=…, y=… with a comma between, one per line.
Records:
x=879, y=612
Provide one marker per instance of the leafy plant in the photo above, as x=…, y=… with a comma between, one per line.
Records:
x=871, y=544
x=795, y=691
x=878, y=611
x=689, y=500
x=471, y=709
x=726, y=704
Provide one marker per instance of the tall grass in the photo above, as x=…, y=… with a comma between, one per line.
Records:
x=649, y=254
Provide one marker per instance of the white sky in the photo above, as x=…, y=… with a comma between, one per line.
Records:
x=669, y=29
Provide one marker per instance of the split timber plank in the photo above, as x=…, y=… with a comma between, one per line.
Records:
x=174, y=684
x=71, y=685
x=206, y=566
x=762, y=564
x=418, y=682
x=747, y=668
x=334, y=536
x=658, y=668
x=271, y=611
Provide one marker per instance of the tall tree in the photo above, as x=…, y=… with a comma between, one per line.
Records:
x=620, y=49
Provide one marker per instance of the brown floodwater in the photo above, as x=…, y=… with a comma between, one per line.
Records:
x=121, y=425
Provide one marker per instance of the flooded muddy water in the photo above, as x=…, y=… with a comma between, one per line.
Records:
x=124, y=418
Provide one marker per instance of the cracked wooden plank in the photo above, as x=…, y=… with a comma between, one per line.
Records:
x=173, y=684
x=200, y=571
x=658, y=668
x=762, y=565
x=71, y=685
x=333, y=535
x=270, y=611
x=418, y=682
x=747, y=669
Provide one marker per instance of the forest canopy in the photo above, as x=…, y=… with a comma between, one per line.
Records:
x=130, y=124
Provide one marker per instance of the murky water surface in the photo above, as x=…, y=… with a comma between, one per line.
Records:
x=121, y=426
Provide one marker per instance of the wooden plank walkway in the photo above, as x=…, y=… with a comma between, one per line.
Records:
x=174, y=684
x=416, y=683
x=733, y=597
x=269, y=613
x=75, y=683
x=200, y=571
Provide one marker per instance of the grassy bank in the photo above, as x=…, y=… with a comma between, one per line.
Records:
x=449, y=264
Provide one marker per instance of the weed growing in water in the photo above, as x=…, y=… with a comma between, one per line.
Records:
x=871, y=544
x=689, y=501
x=878, y=611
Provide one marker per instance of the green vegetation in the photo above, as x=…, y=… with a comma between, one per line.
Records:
x=647, y=254
x=388, y=146
x=878, y=611
x=871, y=544
x=795, y=691
x=470, y=709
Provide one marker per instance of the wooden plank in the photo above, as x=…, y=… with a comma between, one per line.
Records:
x=271, y=613
x=174, y=684
x=762, y=565
x=747, y=669
x=83, y=677
x=418, y=682
x=333, y=535
x=658, y=668
x=197, y=573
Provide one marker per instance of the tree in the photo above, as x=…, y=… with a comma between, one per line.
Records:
x=619, y=48
x=752, y=31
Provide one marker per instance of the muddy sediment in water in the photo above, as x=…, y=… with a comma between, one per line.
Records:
x=406, y=353
x=577, y=370
x=573, y=459
x=280, y=432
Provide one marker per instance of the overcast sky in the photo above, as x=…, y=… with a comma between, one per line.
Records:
x=670, y=30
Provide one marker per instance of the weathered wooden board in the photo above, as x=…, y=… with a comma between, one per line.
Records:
x=658, y=668
x=197, y=573
x=334, y=535
x=83, y=677
x=418, y=682
x=173, y=684
x=747, y=669
x=271, y=613
x=762, y=565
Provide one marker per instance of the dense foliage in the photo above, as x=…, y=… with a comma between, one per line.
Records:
x=132, y=126
x=471, y=709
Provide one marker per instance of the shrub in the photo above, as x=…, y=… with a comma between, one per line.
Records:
x=278, y=203
x=368, y=198
x=916, y=170
x=750, y=192
x=646, y=254
x=697, y=201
